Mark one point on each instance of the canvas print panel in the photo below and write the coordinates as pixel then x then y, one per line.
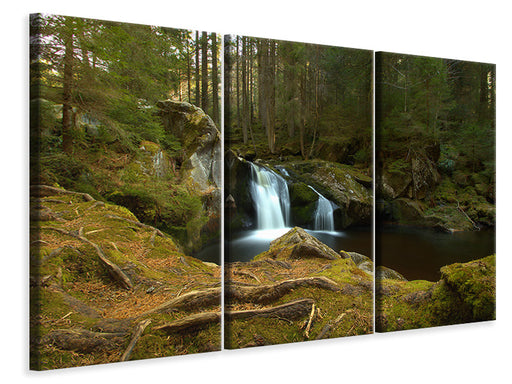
pixel 125 192
pixel 435 199
pixel 298 192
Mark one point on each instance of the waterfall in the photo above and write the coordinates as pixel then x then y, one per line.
pixel 269 192
pixel 324 218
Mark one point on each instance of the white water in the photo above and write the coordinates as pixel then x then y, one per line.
pixel 271 197
pixel 324 214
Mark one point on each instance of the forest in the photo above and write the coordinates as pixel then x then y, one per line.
pixel 94 88
pixel 120 136
pixel 296 99
pixel 435 140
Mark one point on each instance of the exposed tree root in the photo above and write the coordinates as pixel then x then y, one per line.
pixel 194 299
pixel 112 268
pixel 269 293
pixel 46 190
pixel 248 274
pixel 191 323
pixel 136 223
pixel 82 340
pixel 293 310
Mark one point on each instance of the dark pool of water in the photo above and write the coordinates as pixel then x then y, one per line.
pixel 419 253
pixel 243 246
pixel 210 253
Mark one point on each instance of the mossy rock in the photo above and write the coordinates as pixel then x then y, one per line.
pixel 302 194
pixel 475 282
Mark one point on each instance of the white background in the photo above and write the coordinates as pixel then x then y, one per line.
pixel 468 30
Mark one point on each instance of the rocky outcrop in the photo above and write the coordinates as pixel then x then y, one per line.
pixel 201 141
pixel 345 186
pixel 202 157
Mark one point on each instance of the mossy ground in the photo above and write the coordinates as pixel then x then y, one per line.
pixel 354 299
pixel 71 289
pixel 465 293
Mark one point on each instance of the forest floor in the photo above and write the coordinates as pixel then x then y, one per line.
pixel 105 287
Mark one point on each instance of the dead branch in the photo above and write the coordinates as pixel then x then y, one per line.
pixel 136 335
pixel 310 321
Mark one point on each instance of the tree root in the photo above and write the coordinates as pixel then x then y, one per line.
pixel 293 310
pixel 46 190
pixel 82 340
pixel 194 299
pixel 191 323
pixel 269 293
pixel 136 223
pixel 112 268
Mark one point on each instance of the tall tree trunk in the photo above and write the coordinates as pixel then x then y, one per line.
pixel 189 94
pixel 67 109
pixel 198 88
pixel 238 114
pixel 204 72
pixel 244 91
pixel 215 80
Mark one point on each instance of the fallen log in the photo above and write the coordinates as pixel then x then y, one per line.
pixel 194 299
pixel 136 336
pixel 294 310
pixel 191 323
pixel 269 293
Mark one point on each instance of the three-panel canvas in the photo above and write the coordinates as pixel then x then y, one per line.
pixel 192 192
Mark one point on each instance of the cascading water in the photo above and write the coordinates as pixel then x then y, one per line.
pixel 324 214
pixel 271 197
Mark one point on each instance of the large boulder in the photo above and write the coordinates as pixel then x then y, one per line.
pixel 201 141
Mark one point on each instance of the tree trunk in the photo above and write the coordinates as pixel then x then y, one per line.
pixel 198 89
pixel 215 81
pixel 67 86
pixel 204 72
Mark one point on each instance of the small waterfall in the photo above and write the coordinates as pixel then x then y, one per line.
pixel 271 197
pixel 324 214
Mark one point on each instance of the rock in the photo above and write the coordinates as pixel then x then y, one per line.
pixel 298 244
pixel 200 138
pixel 382 273
pixel 356 257
pixel 407 211
pixel 338 183
pixel 475 283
